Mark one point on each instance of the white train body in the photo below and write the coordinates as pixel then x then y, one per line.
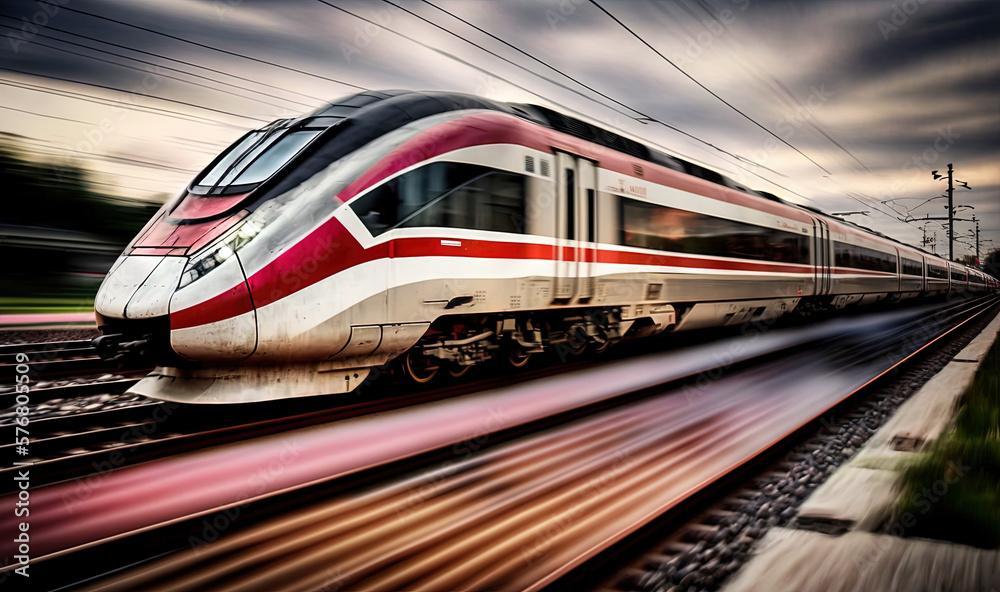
pixel 443 229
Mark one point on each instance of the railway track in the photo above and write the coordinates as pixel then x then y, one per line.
pixel 72 445
pixel 497 491
pixel 699 552
pixel 53 360
pixel 91 386
pixel 53 346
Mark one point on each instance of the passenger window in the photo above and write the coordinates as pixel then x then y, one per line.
pixel 663 228
pixel 446 194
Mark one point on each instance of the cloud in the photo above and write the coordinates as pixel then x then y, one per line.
pixel 891 91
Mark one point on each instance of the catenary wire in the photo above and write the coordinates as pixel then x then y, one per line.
pixel 206 46
pixel 175 60
pixel 106 87
pixel 159 66
pixel 705 88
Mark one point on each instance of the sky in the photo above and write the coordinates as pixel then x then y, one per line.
pixel 843 105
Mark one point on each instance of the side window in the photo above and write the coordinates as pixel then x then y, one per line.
pixel 669 229
pixel 911 267
pixel 446 194
pixel 494 201
pixel 848 255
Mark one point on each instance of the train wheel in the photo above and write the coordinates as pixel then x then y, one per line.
pixel 457 371
pixel 578 343
pixel 603 347
pixel 420 368
pixel 517 357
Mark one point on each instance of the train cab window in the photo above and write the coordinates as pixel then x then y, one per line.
pixel 212 176
pixel 857 257
pixel 663 228
pixel 252 160
pixel 446 194
pixel 271 160
pixel 933 271
pixel 911 267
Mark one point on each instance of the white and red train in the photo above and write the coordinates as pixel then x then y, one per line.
pixel 441 230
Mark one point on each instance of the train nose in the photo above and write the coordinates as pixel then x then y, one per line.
pixel 139 287
pixel 143 301
pixel 132 306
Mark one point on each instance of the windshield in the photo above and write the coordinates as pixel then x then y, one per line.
pixel 270 161
pixel 212 176
pixel 253 159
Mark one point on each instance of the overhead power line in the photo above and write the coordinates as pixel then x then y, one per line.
pixel 643 117
pixel 114 102
pixel 489 73
pixel 174 60
pixel 515 64
pixel 210 47
pixel 812 122
pixel 61 153
pixel 106 87
pixel 191 82
pixel 47 116
pixel 187 147
pixel 703 87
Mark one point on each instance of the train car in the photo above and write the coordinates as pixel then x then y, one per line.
pixel 912 273
pixel 938 278
pixel 865 267
pixel 959 278
pixel 977 281
pixel 438 231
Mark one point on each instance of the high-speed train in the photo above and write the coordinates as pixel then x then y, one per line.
pixel 439 230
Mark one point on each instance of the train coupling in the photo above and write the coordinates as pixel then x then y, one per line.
pixel 117 347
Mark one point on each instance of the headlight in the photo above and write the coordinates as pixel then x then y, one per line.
pixel 222 250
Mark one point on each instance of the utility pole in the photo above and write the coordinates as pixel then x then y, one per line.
pixel 951 215
pixel 977 239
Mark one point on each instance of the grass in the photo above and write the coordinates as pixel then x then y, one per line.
pixel 953 491
pixel 16 305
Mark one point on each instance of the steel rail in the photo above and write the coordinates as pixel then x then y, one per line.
pixel 513 525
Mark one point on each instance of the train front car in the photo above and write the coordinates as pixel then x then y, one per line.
pixel 249 286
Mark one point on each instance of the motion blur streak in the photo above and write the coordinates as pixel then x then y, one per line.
pixel 156 492
pixel 524 510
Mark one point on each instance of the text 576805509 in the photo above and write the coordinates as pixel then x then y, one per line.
pixel 22 477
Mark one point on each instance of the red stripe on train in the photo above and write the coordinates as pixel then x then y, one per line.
pixel 331 250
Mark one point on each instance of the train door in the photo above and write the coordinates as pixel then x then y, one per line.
pixel 586 228
pixel 822 258
pixel 576 204
pixel 566 198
